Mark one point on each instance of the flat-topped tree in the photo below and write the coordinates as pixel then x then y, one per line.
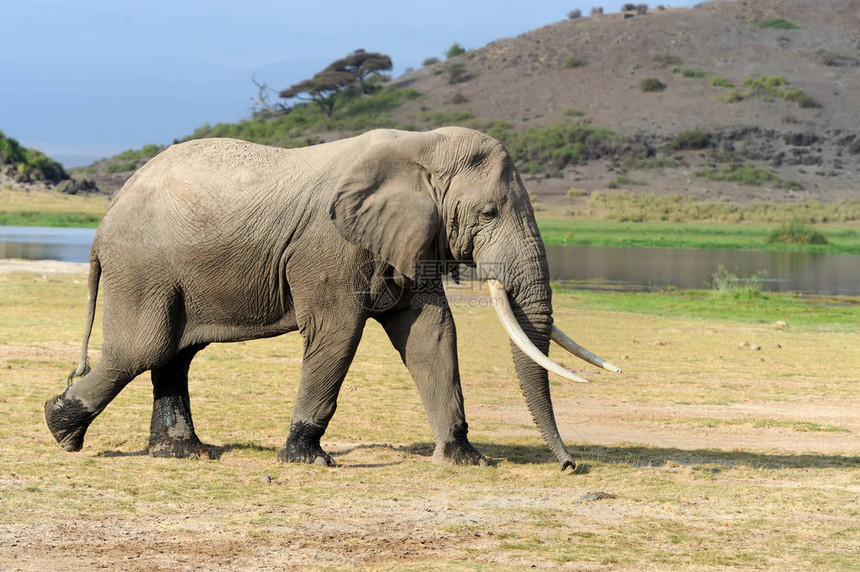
pixel 362 65
pixel 322 88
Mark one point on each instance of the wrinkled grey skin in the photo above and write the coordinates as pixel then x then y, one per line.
pixel 221 240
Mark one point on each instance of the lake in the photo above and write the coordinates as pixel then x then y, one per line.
pixel 619 268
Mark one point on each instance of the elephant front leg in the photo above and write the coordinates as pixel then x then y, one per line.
pixel 171 431
pixel 426 338
pixel 327 357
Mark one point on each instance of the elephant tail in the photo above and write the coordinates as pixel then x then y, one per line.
pixel 92 294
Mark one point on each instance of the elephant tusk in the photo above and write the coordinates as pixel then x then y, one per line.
pixel 506 315
pixel 561 339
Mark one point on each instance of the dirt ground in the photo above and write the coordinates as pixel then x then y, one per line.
pixel 394 519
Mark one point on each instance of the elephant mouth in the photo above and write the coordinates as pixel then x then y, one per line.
pixel 502 305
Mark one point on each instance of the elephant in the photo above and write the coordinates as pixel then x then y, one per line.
pixel 222 240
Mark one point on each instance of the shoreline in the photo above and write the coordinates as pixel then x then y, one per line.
pixel 8 265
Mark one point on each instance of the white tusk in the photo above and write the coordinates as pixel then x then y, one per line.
pixel 519 337
pixel 561 339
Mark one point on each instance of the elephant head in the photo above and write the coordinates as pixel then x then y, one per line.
pixel 454 195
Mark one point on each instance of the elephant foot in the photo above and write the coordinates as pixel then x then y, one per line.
pixel 459 451
pixel 171 432
pixel 303 446
pixel 68 420
pixel 179 449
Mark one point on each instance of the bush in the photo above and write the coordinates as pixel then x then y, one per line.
pixel 429 62
pixel 795 233
pixel 690 141
pixel 651 84
pixel 573 62
pixel 455 50
pixel 691 72
pixel 724 283
pixel 776 24
pixel 121 167
pixel 456 72
pixel 829 58
pixel 574 14
pixel 666 59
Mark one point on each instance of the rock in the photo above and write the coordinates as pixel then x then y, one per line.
pixel 67 187
pixel 597 496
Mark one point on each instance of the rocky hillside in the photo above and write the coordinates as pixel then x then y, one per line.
pixel 731 100
pixel 27 169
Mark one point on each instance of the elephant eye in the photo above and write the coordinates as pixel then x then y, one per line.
pixel 489 213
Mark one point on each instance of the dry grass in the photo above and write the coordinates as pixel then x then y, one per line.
pixel 708 455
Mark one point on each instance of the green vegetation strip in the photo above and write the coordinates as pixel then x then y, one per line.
pixel 834 313
pixel 715 236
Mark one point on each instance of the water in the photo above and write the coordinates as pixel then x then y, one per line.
pixel 626 268
pixel 662 268
pixel 43 243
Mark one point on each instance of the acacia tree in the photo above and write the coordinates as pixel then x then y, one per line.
pixel 340 75
pixel 322 88
pixel 362 65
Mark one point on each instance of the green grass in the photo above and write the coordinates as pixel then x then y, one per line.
pixel 845 239
pixel 795 233
pixel 18 208
pixel 747 175
pixel 820 312
pixel 777 24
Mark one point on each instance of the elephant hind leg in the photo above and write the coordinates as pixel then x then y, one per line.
pixel 171 431
pixel 69 414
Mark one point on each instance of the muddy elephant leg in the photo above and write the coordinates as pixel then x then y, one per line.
pixel 69 414
pixel 171 431
pixel 427 341
pixel 328 355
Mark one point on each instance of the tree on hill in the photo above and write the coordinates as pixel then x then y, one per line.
pixel 362 65
pixel 322 88
pixel 345 73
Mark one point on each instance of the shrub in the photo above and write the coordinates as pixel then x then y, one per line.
pixel 574 14
pixel 724 283
pixel 456 72
pixel 666 59
pixel 691 72
pixel 720 82
pixel 573 62
pixel 458 98
pixel 776 24
pixel 429 62
pixel 121 167
pixel 597 11
pixel 690 141
pixel 734 97
pixel 795 233
pixel 455 50
pixel 800 98
pixel 651 84
pixel 829 58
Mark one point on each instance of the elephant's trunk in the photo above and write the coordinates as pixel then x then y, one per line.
pixel 523 299
pixel 535 320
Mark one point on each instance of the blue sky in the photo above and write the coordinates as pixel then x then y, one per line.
pixel 86 79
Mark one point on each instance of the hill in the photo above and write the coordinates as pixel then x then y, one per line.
pixel 27 169
pixel 730 101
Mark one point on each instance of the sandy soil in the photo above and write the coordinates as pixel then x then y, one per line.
pixel 370 534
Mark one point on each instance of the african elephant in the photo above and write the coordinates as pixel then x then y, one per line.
pixel 220 240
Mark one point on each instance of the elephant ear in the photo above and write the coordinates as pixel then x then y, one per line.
pixel 384 203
